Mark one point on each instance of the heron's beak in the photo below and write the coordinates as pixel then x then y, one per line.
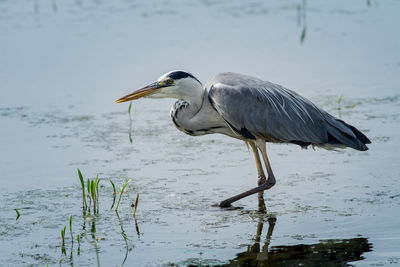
pixel 145 91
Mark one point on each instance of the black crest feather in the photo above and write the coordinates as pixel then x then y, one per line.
pixel 179 74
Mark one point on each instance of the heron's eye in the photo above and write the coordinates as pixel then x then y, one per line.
pixel 170 81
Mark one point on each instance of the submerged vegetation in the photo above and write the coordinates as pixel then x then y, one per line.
pixel 78 238
pixel 18 214
pixel 339 102
pixel 343 106
pixel 136 204
pixel 114 193
pixel 93 192
pixel 84 204
pixel 63 240
pixel 70 229
pixel 90 213
pixel 130 122
pixel 122 191
pixel 92 187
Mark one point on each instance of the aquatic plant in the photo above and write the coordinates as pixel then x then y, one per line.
pixel 92 188
pixel 63 235
pixel 124 236
pixel 93 193
pixel 339 102
pixel 303 35
pixel 122 191
pixel 114 193
pixel 130 122
pixel 97 191
pixel 18 214
pixel 84 204
pixel 63 240
pixel 136 204
pixel 70 229
pixel 136 226
pixel 78 238
pixel 129 109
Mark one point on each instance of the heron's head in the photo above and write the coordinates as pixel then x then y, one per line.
pixel 175 84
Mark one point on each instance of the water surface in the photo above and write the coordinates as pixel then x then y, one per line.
pixel 62 65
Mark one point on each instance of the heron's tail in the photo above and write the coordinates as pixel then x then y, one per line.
pixel 341 133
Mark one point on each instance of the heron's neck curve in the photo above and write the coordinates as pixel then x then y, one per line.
pixel 187 107
pixel 194 96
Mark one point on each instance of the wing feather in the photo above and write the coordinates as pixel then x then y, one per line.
pixel 270 111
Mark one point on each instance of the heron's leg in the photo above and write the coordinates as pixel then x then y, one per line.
pixel 262 254
pixel 263 150
pixel 267 185
pixel 261 178
pixel 256 247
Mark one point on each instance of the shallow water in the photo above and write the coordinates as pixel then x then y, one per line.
pixel 62 66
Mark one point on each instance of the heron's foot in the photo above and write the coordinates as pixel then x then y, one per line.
pixel 267 185
pixel 223 204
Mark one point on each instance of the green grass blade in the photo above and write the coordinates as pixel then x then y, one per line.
pixel 113 185
pixel 70 223
pixel 97 191
pixel 93 194
pixel 81 178
pixel 63 235
pixel 339 102
pixel 122 191
pixel 70 229
pixel 93 190
pixel 18 214
pixel 303 35
pixel 130 107
pixel 114 193
pixel 89 194
pixel 83 189
pixel 97 185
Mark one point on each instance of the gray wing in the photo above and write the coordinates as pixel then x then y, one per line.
pixel 256 108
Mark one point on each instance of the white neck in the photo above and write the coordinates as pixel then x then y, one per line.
pixel 187 89
pixel 189 104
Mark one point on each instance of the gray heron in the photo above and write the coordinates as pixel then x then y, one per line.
pixel 251 110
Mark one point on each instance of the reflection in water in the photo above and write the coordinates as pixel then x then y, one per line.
pixel 94 237
pixel 85 234
pixel 335 252
pixel 94 240
pixel 124 237
pixel 136 226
